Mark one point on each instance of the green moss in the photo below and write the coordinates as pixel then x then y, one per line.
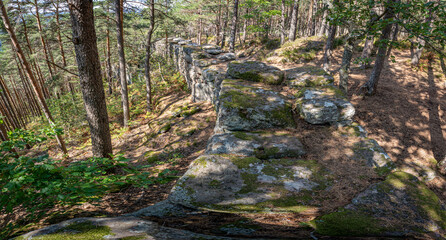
pixel 250 76
pixel 239 99
pixel 266 153
pixel 283 115
pixel 153 156
pixel 165 128
pixel 385 170
pixel 84 230
pixel 243 162
pixel 134 237
pixel 215 184
pixel 190 112
pixel 202 161
pixel 347 223
pixel 250 183
pixel 428 202
pixel 243 136
pixel 277 172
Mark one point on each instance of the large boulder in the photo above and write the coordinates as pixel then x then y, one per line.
pixel 243 106
pixel 227 57
pixel 401 206
pixel 308 77
pixel 256 72
pixel 263 145
pixel 234 183
pixel 324 105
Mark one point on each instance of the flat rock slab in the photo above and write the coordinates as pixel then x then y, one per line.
pixel 256 72
pixel 324 105
pixel 401 206
pixel 113 228
pixel 263 145
pixel 231 183
pixel 308 77
pixel 243 106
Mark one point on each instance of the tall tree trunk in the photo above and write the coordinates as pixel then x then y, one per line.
pixel 323 28
pixel 283 23
pixel 148 56
pixel 42 40
pixel 109 67
pixel 366 52
pixel 87 58
pixel 225 25
pixel 234 27
pixel 245 26
pixel 293 25
pixel 369 88
pixel 122 70
pixel 345 65
pixel 329 47
pixel 417 53
pixel 29 73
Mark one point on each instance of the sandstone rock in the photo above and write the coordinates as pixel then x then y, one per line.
pixel 227 182
pixel 308 77
pixel 401 206
pixel 324 105
pixel 263 145
pixel 244 107
pixel 227 57
pixel 256 72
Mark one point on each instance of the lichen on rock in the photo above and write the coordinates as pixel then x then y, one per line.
pixel 256 72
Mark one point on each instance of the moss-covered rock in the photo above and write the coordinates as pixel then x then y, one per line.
pixel 234 183
pixel 256 72
pixel 244 107
pixel 308 77
pixel 399 206
pixel 369 152
pixel 324 105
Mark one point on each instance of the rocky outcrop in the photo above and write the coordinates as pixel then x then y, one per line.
pixel 401 206
pixel 256 71
pixel 308 77
pixel 324 105
pixel 242 106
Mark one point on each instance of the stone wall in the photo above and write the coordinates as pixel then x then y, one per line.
pixel 203 66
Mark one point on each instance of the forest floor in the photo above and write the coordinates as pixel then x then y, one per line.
pixel 406 117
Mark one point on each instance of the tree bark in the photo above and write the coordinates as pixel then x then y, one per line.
pixel 122 69
pixel 234 27
pixel 345 65
pixel 148 56
pixel 225 25
pixel 283 23
pixel 369 88
pixel 87 58
pixel 109 67
pixel 293 25
pixel 329 47
pixel 29 73
pixel 366 52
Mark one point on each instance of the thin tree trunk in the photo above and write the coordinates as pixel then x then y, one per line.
pixel 42 40
pixel 225 25
pixel 366 52
pixel 87 58
pixel 329 47
pixel 345 65
pixel 293 26
pixel 122 70
pixel 109 67
pixel 29 73
pixel 369 88
pixel 234 27
pixel 148 56
pixel 283 23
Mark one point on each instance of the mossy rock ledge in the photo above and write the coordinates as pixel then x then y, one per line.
pixel 324 105
pixel 256 72
pixel 232 183
pixel 262 144
pixel 400 206
pixel 245 107
pixel 122 228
